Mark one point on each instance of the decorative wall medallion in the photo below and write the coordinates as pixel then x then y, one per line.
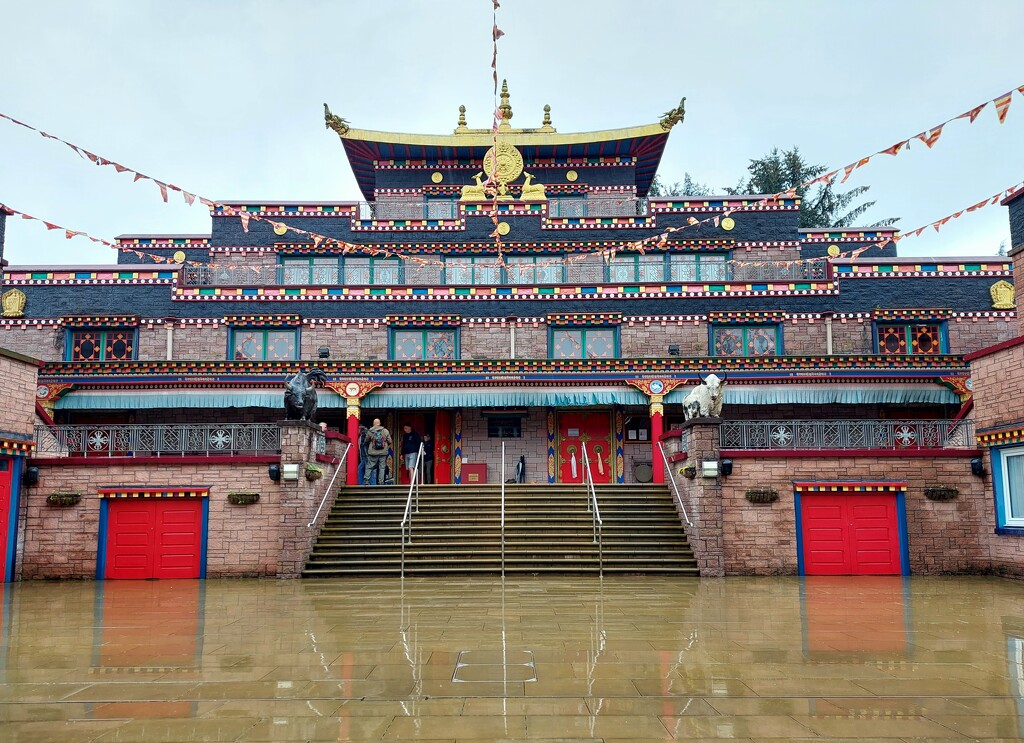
pixel 13 302
pixel 280 229
pixel 504 228
pixel 503 162
pixel 833 250
pixel 437 176
pixel 728 223
pixel 657 386
pixel 179 256
pixel 42 392
pixel 352 389
pixel 1002 296
pixel 571 176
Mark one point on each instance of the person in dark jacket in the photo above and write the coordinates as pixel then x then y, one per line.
pixel 410 448
pixel 363 443
pixel 428 459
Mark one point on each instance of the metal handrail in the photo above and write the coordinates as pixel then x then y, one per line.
pixel 675 487
pixel 502 509
pixel 414 490
pixel 588 480
pixel 341 466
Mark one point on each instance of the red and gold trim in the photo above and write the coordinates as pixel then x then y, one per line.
pixel 16 447
pixel 850 487
pixel 112 493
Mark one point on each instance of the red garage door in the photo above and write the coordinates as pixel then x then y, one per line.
pixel 154 538
pixel 850 534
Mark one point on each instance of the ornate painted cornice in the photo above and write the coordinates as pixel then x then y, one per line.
pixel 559 319
pixel 422 321
pixel 848 487
pixel 911 315
pixel 745 316
pixel 882 269
pixel 262 321
pixel 1002 437
pixel 185 492
pixel 92 321
pixel 59 277
pixel 16 447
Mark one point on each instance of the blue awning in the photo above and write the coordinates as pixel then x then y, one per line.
pixel 829 394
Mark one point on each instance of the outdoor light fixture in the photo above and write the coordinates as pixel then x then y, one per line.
pixel 709 468
pixel 726 467
pixel 673 350
pixel 31 476
pixel 289 472
pixel 274 472
pixel 978 467
pixel 323 352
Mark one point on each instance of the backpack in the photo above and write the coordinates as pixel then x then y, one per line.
pixel 377 440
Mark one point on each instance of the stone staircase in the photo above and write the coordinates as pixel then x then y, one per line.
pixel 457 531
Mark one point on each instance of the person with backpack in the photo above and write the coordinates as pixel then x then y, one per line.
pixel 377 453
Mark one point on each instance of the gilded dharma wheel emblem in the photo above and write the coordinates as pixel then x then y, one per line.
pixel 503 162
pixel 728 223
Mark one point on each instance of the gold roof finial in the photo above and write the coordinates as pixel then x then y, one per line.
pixel 505 108
pixel 546 123
pixel 462 117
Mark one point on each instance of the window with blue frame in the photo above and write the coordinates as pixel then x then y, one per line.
pixel 1008 480
pixel 472 270
pixel 583 343
pixel 746 340
pixel 424 343
pixel 535 269
pixel 101 344
pixel 352 271
pixel 698 267
pixel 264 344
pixel 897 339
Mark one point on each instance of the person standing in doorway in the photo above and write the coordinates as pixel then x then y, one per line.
pixel 363 444
pixel 377 453
pixel 428 459
pixel 410 448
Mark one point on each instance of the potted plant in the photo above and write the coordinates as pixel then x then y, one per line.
pixel 941 492
pixel 63 498
pixel 762 495
pixel 314 471
pixel 243 498
pixel 689 471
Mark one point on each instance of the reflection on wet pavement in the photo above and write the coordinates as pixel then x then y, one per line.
pixel 630 658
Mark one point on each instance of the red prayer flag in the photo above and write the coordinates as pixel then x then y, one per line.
pixel 138 176
pixel 244 216
pixel 497 33
pixel 119 168
pixel 973 113
pixel 931 136
pixel 51 226
pixel 1003 106
pixel 189 198
pixel 895 149
pixel 163 190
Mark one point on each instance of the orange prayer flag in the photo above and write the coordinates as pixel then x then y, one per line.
pixel 189 197
pixel 163 190
pixel 973 113
pixel 244 216
pixel 931 136
pixel 895 149
pixel 1003 106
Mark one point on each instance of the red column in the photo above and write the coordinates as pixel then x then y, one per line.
pixel 657 428
pixel 352 429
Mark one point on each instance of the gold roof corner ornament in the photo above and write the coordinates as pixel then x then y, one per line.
pixel 462 119
pixel 505 108
pixel 1003 296
pixel 338 124
pixel 546 123
pixel 13 303
pixel 673 116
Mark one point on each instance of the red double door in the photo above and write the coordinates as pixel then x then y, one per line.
pixel 590 429
pixel 6 519
pixel 154 538
pixel 439 426
pixel 850 534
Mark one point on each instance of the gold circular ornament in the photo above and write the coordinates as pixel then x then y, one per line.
pixel 352 389
pixel 571 176
pixel 437 176
pixel 280 229
pixel 504 228
pixel 179 256
pixel 728 223
pixel 503 162
pixel 833 250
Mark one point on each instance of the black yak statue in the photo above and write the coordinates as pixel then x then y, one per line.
pixel 300 395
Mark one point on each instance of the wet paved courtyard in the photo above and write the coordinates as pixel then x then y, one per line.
pixel 632 658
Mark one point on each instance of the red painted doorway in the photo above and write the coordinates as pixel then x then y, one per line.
pixel 443 447
pixel 593 428
pixel 154 538
pixel 850 534
pixel 6 520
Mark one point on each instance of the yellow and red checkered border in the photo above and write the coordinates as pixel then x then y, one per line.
pixel 112 493
pixel 1001 438
pixel 16 447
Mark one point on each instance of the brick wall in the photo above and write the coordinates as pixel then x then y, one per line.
pixel 652 339
pixel 943 537
pixel 205 342
pixel 18 385
pixel 369 341
pixel 487 341
pixel 804 337
pixel 974 333
pixel 152 343
pixel 998 381
pixel 43 342
pixel 851 336
pixel 477 447
pixel 531 341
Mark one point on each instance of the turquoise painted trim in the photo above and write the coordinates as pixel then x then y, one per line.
pixel 799 534
pixel 10 549
pixel 101 537
pixel 204 537
pixel 901 521
pixel 826 395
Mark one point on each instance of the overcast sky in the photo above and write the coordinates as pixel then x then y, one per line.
pixel 225 98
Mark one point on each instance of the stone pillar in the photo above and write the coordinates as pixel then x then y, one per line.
pixel 299 498
pixel 657 429
pixel 352 429
pixel 703 496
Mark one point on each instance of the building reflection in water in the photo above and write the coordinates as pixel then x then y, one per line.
pixel 1013 630
pixel 144 630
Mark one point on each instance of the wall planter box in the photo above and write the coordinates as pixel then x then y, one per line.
pixel 762 495
pixel 689 471
pixel 313 472
pixel 243 499
pixel 63 498
pixel 941 492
